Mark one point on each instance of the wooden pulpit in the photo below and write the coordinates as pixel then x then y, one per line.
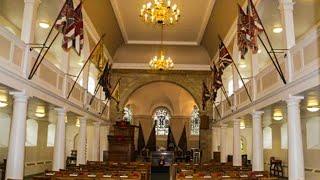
pixel 121 142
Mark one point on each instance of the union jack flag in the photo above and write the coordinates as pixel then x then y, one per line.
pixel 65 16
pixel 205 95
pixel 77 42
pixel 255 26
pixel 243 34
pixel 225 58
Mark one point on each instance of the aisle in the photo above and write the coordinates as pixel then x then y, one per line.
pixel 160 173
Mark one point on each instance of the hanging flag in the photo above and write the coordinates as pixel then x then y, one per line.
pixel 183 140
pixel 141 142
pixel 98 59
pixel 105 81
pixel 78 30
pixel 225 58
pixel 171 143
pixel 255 26
pixel 66 14
pixel 205 95
pixel 151 144
pixel 243 36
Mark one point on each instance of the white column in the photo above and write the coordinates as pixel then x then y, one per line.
pixel 16 149
pixel 59 141
pixel 223 143
pixel 215 140
pixel 96 141
pixel 236 143
pixel 295 146
pixel 286 11
pixel 81 151
pixel 30 12
pixel 257 142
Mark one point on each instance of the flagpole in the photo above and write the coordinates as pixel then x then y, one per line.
pixel 34 68
pixel 269 42
pixel 225 94
pixel 91 54
pixel 95 93
pixel 244 85
pixel 215 106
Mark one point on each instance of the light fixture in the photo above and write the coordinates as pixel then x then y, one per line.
pixel 44 25
pixel 65 119
pixel 313 108
pixel 161 61
pixel 242 64
pixel 78 123
pixel 80 63
pixel 259 51
pixel 277 115
pixel 40 112
pixel 277 29
pixel 3 101
pixel 160 12
pixel 242 125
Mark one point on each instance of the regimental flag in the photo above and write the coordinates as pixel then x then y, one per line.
pixel 217 80
pixel 141 142
pixel 183 140
pixel 116 92
pixel 98 59
pixel 205 95
pixel 243 36
pixel 65 15
pixel 78 30
pixel 105 81
pixel 255 26
pixel 171 143
pixel 225 58
pixel 151 144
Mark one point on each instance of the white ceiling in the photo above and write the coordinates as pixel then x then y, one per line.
pixel 188 31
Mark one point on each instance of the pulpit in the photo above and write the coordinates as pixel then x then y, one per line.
pixel 121 142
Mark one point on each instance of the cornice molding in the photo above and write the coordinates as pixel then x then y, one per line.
pixel 145 66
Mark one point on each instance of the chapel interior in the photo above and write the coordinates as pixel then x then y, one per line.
pixel 159 89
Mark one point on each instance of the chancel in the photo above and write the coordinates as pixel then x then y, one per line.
pixel 159 89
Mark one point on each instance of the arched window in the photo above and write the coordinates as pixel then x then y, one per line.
pixel 51 134
pixel 4 129
pixel 195 121
pixel 32 133
pixel 162 117
pixel 267 138
pixel 127 111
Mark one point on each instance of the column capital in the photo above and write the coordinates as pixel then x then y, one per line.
pixel 257 114
pixel 237 120
pixel 32 1
pixel 294 100
pixel 82 120
pixel 223 125
pixel 97 123
pixel 286 5
pixel 60 111
pixel 20 96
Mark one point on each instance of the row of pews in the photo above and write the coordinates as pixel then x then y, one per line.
pixel 213 170
pixel 101 171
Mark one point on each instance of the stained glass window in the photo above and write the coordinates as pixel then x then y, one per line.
pixel 127 114
pixel 195 121
pixel 162 117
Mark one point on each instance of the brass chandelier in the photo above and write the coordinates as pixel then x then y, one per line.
pixel 160 12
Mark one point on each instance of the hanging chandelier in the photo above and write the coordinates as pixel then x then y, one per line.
pixel 160 12
pixel 161 61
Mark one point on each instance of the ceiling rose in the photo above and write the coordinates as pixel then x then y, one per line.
pixel 160 12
